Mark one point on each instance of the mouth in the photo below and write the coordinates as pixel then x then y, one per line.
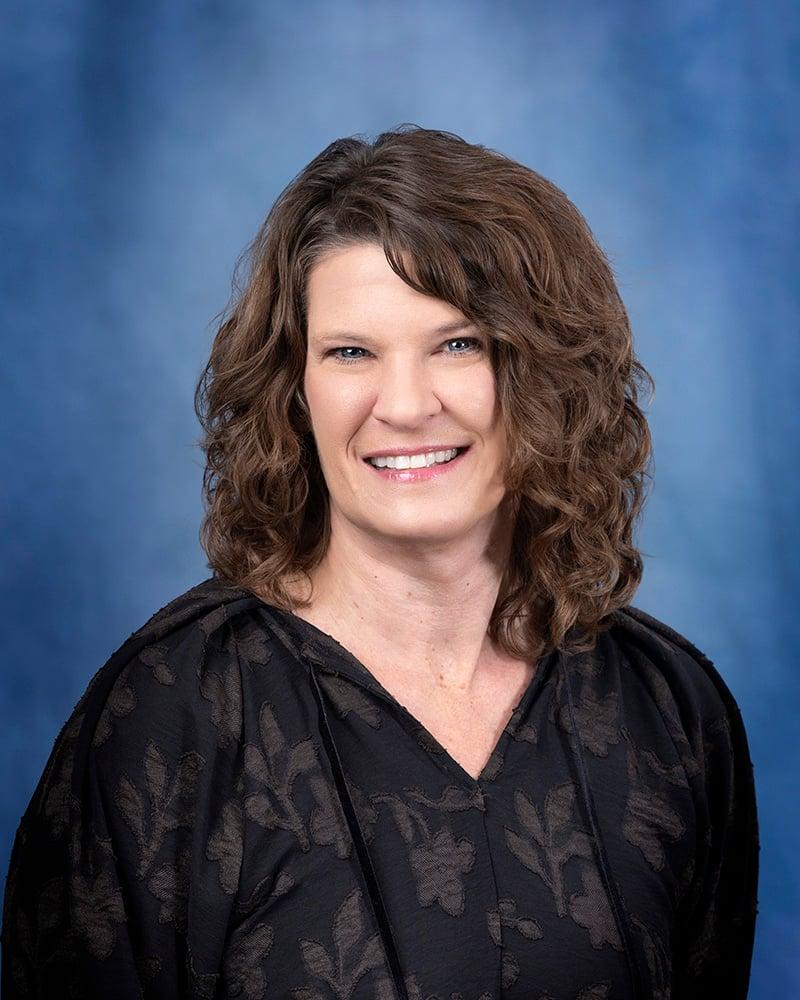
pixel 424 472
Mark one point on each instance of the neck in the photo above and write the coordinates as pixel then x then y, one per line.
pixel 423 613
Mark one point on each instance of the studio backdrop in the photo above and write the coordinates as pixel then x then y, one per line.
pixel 143 145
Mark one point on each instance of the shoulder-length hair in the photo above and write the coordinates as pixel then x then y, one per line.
pixel 505 246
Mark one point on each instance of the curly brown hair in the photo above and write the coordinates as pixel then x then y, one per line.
pixel 503 244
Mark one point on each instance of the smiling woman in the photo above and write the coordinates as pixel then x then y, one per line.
pixel 408 395
pixel 410 739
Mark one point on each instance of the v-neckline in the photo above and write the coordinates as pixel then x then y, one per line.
pixel 350 666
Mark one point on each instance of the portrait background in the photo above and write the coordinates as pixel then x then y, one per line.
pixel 144 145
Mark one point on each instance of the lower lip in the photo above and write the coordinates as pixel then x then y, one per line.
pixel 416 475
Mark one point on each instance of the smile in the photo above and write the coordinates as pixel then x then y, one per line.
pixel 419 461
pixel 413 468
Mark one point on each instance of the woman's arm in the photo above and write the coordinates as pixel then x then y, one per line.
pixel 123 877
pixel 715 925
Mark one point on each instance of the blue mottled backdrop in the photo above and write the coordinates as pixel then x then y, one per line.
pixel 142 145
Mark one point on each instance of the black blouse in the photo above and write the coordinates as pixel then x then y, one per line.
pixel 237 808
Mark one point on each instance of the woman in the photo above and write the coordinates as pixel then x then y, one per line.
pixel 410 739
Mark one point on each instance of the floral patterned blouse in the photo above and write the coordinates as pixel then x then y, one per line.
pixel 237 808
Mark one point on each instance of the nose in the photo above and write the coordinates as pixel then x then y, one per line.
pixel 405 394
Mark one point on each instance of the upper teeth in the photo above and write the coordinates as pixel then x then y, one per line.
pixel 414 461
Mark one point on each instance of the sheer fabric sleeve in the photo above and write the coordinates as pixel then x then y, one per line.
pixel 715 925
pixel 125 866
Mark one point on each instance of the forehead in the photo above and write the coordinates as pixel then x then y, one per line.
pixel 354 291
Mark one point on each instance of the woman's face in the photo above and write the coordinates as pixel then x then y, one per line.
pixel 382 376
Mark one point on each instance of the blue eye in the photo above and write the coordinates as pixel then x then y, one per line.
pixel 476 344
pixel 473 341
pixel 345 361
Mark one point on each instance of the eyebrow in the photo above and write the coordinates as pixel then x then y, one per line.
pixel 356 338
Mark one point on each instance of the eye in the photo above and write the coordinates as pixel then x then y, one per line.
pixel 344 361
pixel 474 343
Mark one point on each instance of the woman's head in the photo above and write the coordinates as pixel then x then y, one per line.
pixel 389 371
pixel 432 230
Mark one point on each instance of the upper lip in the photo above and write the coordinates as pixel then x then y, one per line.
pixel 419 450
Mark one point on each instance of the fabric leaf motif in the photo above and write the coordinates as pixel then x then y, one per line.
pixel 97 903
pixel 98 906
pixel 592 911
pixel 171 802
pixel 252 643
pixel 505 915
pixel 347 697
pixel 547 846
pixel 225 695
pixel 343 968
pixel 649 819
pixel 454 798
pixel 658 955
pixel 131 804
pixel 598 991
pixel 155 657
pixel 242 964
pixel 170 885
pixel 273 807
pixel 348 925
pixel 226 845
pixel 438 866
pixel 120 702
pixel 596 719
pixel 327 822
pixel 213 620
pixel 317 961
pixel 155 769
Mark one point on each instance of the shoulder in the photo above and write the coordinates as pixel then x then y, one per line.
pixel 666 681
pixel 184 654
pixel 672 662
pixel 174 684
pixel 718 898
pixel 135 826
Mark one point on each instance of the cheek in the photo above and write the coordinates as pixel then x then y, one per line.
pixel 336 408
pixel 477 402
